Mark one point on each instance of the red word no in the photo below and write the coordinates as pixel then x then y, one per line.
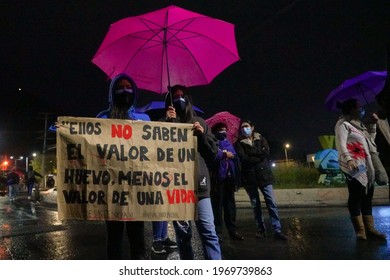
pixel 121 131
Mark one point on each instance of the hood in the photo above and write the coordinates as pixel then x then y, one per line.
pixel 112 87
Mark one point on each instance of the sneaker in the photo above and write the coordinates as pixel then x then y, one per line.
pixel 168 243
pixel 260 234
pixel 280 235
pixel 158 247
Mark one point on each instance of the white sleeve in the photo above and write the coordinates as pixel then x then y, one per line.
pixel 341 141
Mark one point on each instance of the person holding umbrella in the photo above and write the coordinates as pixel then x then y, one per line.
pixel 123 94
pixel 180 110
pixel 353 143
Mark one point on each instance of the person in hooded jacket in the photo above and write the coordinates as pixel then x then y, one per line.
pixel 123 95
pixel 253 151
pixel 225 179
pixel 180 110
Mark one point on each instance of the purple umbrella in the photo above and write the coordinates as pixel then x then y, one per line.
pixel 364 88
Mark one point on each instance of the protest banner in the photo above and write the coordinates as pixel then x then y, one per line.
pixel 110 169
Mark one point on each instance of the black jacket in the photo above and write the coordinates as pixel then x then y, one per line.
pixel 207 151
pixel 12 178
pixel 255 165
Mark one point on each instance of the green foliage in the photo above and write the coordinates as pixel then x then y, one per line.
pixel 50 164
pixel 297 177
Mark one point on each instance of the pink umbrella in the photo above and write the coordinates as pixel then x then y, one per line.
pixel 232 124
pixel 168 46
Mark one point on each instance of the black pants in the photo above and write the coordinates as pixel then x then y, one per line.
pixel 224 205
pixel 135 234
pixel 359 199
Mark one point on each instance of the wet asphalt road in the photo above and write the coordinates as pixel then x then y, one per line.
pixel 33 232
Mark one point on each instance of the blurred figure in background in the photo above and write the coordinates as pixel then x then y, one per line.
pixel 31 181
pixel 13 185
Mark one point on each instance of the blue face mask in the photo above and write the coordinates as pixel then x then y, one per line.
pixel 179 104
pixel 362 112
pixel 246 131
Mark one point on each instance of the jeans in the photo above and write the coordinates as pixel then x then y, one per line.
pixel 30 186
pixel 269 197
pixel 12 191
pixel 160 230
pixel 224 206
pixel 206 230
pixel 135 234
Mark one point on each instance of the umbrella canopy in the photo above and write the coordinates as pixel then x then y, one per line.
pixel 167 47
pixel 364 88
pixel 232 124
pixel 156 110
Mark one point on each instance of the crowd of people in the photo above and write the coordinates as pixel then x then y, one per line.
pixel 221 171
pixel 16 180
pixel 223 167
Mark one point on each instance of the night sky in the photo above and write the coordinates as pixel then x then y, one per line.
pixel 293 53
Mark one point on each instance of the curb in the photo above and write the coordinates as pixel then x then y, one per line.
pixel 316 197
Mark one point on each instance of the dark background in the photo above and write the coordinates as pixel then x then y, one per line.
pixel 293 53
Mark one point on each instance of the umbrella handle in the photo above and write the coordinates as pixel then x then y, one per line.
pixel 365 98
pixel 165 46
pixel 169 95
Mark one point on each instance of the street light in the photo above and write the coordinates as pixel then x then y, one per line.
pixel 28 160
pixel 285 151
pixel 4 165
pixel 20 158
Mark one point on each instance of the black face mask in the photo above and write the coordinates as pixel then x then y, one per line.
pixel 179 104
pixel 123 98
pixel 221 135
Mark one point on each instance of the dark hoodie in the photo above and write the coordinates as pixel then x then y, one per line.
pixel 132 115
pixel 207 143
